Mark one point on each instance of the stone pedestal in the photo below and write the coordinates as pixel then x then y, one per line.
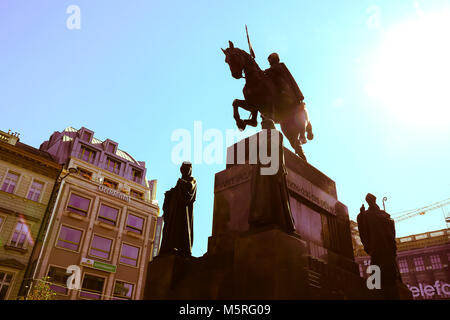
pixel 163 273
pixel 314 261
pixel 270 265
pixel 319 218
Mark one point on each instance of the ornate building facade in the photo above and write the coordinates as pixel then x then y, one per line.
pixel 103 224
pixel 27 180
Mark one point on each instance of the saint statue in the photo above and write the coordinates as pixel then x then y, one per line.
pixel 377 232
pixel 270 196
pixel 178 232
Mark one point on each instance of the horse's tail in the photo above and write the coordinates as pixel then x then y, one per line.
pixel 309 133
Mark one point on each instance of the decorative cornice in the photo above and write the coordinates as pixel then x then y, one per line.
pixel 29 161
pixel 18 214
pixel 12 263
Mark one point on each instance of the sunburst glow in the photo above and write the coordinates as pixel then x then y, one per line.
pixel 411 73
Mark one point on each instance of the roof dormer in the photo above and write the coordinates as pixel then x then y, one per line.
pixel 86 135
pixel 110 146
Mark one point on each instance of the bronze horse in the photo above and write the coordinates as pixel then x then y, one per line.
pixel 261 95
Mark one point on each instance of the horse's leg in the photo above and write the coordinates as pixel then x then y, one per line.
pixel 291 132
pixel 246 106
pixel 253 120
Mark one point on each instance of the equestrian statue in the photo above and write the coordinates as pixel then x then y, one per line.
pixel 273 93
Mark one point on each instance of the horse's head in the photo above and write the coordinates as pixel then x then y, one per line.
pixel 236 60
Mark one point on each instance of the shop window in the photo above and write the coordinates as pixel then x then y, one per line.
pixel 78 204
pixel 108 215
pixel 5 283
pixel 129 255
pixel 58 279
pixel 101 247
pixel 135 224
pixel 123 290
pixel 10 182
pixel 69 238
pixel 92 287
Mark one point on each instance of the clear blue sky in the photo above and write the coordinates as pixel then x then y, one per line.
pixel 375 81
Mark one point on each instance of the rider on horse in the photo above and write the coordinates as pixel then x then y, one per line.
pixel 273 93
pixel 288 90
pixel 288 94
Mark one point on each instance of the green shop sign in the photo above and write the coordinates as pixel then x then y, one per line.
pixel 98 265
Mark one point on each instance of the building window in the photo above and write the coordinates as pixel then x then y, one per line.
pixel 58 279
pixel 129 255
pixel 108 215
pixel 20 235
pixel 2 219
pixel 123 290
pixel 86 137
pixel 136 194
pixel 113 165
pixel 85 174
pixel 111 148
pixel 9 185
pixel 69 238
pixel 101 247
pixel 5 283
pixel 436 261
pixel 110 184
pixel 92 287
pixel 135 224
pixel 137 175
pixel 403 266
pixel 35 191
pixel 418 262
pixel 78 205
pixel 87 154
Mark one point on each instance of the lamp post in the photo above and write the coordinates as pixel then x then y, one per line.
pixel 384 200
pixel 71 170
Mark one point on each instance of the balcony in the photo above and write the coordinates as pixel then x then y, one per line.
pixel 9 137
pixel 137 179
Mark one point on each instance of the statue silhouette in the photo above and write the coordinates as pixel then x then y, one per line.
pixel 178 232
pixel 273 93
pixel 377 232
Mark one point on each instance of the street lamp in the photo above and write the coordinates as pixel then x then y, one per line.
pixel 71 170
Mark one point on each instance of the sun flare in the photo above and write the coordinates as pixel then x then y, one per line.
pixel 411 72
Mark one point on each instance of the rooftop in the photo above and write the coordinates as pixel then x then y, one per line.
pixel 13 139
pixel 120 153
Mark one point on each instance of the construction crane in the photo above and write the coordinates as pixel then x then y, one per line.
pixel 404 215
